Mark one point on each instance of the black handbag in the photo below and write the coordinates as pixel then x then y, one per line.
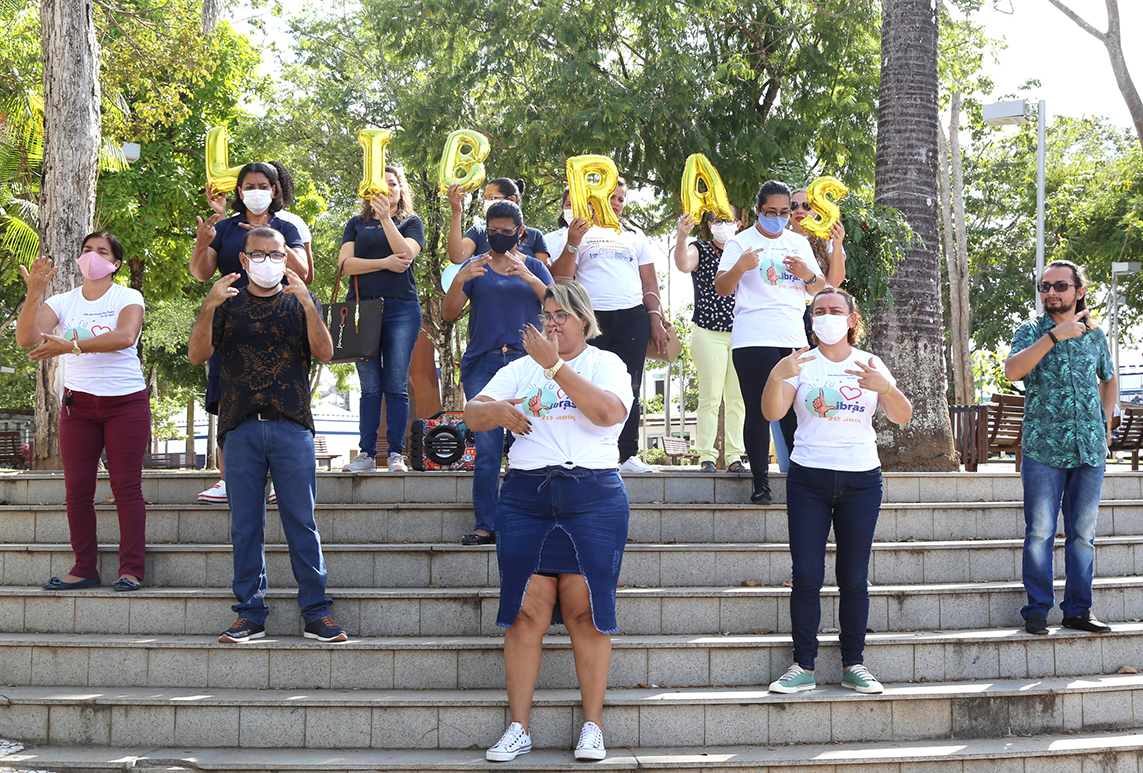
pixel 354 326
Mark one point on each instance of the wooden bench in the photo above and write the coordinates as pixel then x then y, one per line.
pixel 1130 434
pixel 178 460
pixel 676 448
pixel 1006 425
pixel 322 454
pixel 12 450
pixel 970 434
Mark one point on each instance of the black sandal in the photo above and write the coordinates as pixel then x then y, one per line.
pixel 479 539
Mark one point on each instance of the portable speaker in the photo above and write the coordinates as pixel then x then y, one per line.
pixel 443 442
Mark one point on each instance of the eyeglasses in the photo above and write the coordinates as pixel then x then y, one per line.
pixel 502 231
pixel 1060 287
pixel 559 318
pixel 804 205
pixel 772 213
pixel 260 257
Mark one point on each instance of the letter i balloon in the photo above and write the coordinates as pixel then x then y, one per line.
pixel 220 177
pixel 462 162
pixel 818 196
pixel 373 143
pixel 713 199
pixel 592 200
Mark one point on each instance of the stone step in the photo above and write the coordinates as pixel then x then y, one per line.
pixel 472 611
pixel 476 662
pixel 1098 752
pixel 670 485
pixel 650 523
pixel 644 565
pixel 473 719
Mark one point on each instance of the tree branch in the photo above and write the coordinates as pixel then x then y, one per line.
pixel 1101 37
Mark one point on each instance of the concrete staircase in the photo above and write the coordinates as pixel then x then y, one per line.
pixel 102 681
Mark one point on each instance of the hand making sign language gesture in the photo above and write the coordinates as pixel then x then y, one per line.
pixel 870 378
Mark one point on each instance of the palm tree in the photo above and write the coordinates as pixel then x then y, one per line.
pixel 908 331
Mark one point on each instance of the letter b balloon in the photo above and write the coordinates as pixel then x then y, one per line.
pixel 465 150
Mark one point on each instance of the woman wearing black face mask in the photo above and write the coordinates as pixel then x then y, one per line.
pixel 505 290
pixel 474 241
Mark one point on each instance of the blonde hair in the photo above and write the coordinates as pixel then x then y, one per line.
pixel 570 296
pixel 404 203
pixel 855 333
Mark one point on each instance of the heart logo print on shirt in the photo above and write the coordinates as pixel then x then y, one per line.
pixel 99 330
pixel 850 393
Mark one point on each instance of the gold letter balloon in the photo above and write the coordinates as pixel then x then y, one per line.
pixel 220 178
pixel 374 142
pixel 713 199
pixel 462 162
pixel 592 201
pixel 826 213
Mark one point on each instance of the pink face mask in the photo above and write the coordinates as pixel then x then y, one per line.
pixel 94 266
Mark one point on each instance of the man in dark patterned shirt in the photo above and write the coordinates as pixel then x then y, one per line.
pixel 1071 388
pixel 265 334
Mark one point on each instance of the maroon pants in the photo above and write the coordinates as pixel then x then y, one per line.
pixel 122 425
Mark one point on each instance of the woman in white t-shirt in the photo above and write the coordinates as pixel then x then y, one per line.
pixel 561 519
pixel 769 271
pixel 834 480
pixel 94 331
pixel 618 272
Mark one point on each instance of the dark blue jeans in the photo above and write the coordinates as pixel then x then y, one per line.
pixel 387 377
pixel 850 502
pixel 285 449
pixel 490 443
pixel 1046 488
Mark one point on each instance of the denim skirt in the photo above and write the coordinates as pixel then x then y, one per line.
pixel 561 521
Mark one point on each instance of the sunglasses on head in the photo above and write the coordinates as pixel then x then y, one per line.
pixel 1060 287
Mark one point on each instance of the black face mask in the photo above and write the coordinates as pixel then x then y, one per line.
pixel 502 244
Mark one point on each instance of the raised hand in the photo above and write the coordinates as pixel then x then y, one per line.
pixel 40 277
pixel 577 229
pixel 221 290
pixel 1073 327
pixel 518 267
pixel 748 260
pixel 52 346
pixel 381 208
pixel 837 232
pixel 456 197
pixel 791 365
pixel 869 378
pixel 798 268
pixel 686 224
pixel 206 230
pixel 472 269
pixel 217 202
pixel 298 289
pixel 543 349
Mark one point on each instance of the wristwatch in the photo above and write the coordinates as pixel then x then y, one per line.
pixel 75 347
pixel 550 373
pixel 572 248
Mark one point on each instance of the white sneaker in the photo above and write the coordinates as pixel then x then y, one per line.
pixel 590 745
pixel 513 743
pixel 361 463
pixel 396 463
pixel 635 464
pixel 214 494
pixel 273 497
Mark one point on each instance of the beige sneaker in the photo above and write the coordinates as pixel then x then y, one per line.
pixel 396 463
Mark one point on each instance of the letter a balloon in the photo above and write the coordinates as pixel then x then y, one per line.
pixel 373 142
pixel 592 201
pixel 462 162
pixel 220 177
pixel 713 199
pixel 826 212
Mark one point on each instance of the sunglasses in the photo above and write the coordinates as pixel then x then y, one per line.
pixel 1060 287
pixel 804 205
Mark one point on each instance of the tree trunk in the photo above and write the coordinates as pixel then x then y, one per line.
pixel 962 324
pixel 906 331
pixel 949 248
pixel 67 190
pixel 190 449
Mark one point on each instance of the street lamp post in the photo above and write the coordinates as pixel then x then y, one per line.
pixel 1015 112
pixel 1118 270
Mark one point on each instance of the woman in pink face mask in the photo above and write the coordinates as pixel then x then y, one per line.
pixel 94 331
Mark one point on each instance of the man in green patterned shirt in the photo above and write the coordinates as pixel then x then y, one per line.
pixel 1071 387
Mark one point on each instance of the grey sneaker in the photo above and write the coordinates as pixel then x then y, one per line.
pixel 513 743
pixel 858 678
pixel 797 679
pixel 361 463
pixel 396 463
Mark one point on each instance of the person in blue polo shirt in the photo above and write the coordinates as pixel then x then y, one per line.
pixel 475 239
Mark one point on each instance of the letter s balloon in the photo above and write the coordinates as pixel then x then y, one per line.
pixel 713 199
pixel 465 150
pixel 373 142
pixel 826 212
pixel 220 177
pixel 592 201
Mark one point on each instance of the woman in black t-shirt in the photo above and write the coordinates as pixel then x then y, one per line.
pixel 378 248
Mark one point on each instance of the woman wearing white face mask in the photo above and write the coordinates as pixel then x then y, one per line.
pixel 834 480
pixel 475 239
pixel 257 200
pixel 710 339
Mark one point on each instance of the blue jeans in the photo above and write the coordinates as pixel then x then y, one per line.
pixel 286 450
pixel 490 443
pixel 388 377
pixel 851 502
pixel 1045 490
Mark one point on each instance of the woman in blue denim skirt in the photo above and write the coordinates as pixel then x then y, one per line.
pixel 834 479
pixel 503 289
pixel 561 520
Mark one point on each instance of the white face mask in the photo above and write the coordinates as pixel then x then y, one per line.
pixel 831 328
pixel 489 202
pixel 723 232
pixel 257 201
pixel 266 274
pixel 568 216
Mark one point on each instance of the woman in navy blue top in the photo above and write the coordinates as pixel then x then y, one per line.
pixel 378 248
pixel 504 289
pixel 475 239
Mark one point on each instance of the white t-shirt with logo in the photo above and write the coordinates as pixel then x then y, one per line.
pixel 303 229
pixel 607 265
pixel 770 301
pixel 835 415
pixel 106 374
pixel 561 434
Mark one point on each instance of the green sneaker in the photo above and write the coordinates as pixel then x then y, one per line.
pixel 858 678
pixel 797 679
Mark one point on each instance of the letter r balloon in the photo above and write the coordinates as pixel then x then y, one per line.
pixel 462 162
pixel 220 177
pixel 373 143
pixel 593 198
